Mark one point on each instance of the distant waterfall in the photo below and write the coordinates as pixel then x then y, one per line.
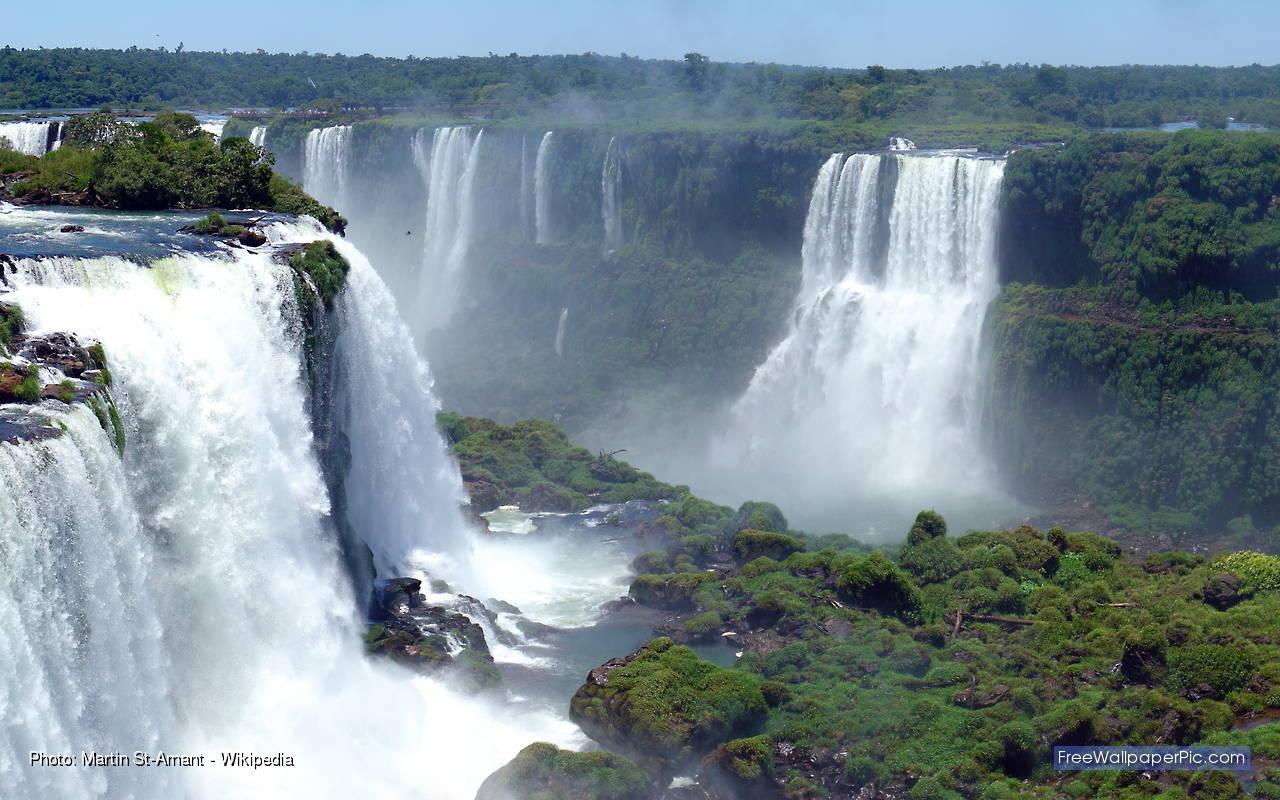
pixel 215 127
pixel 876 386
pixel 258 136
pixel 326 156
pixel 610 187
pixel 526 188
pixel 542 191
pixel 560 328
pixel 189 597
pixel 32 138
pixel 447 158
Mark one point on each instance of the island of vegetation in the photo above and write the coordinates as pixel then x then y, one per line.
pixel 168 162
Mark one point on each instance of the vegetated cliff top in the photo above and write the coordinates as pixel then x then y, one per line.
pixel 167 163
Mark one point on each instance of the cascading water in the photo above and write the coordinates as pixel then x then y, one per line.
pixel 526 187
pixel 560 329
pixel 447 158
pixel 215 127
pixel 610 188
pixel 874 392
pixel 542 191
pixel 31 138
pixel 325 158
pixel 190 598
pixel 258 136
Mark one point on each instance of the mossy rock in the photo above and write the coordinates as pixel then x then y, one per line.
pixel 875 582
pixel 664 701
pixel 326 268
pixel 760 517
pixel 543 771
pixel 674 592
pixel 19 384
pixel 749 545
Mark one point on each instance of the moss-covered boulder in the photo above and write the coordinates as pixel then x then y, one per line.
pixel 760 516
pixel 663 701
pixel 876 582
pixel 321 269
pixel 748 545
pixel 543 771
pixel 674 592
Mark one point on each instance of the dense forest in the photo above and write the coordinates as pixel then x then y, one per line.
pixel 595 86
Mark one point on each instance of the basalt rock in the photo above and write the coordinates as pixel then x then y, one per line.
pixel 1222 591
pixel 545 771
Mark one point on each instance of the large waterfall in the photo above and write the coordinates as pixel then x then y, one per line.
pixel 258 136
pixel 542 190
pixel 447 158
pixel 610 188
pixel 875 390
pixel 32 138
pixel 326 157
pixel 189 597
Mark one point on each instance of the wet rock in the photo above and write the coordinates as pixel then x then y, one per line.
pixel 18 426
pixel 545 771
pixel 251 238
pixel 429 638
pixel 1222 591
pixel 71 229
pixel 61 351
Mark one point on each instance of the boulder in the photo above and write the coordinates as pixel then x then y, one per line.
pixel 1222 591
pixel 546 772
pixel 429 638
pixel 71 229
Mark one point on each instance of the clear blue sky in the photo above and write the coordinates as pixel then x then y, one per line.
pixel 923 33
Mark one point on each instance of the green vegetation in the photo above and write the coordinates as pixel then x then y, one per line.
pixel 19 384
pixel 1135 359
pixel 10 324
pixel 946 682
pixel 502 86
pixel 168 162
pixel 321 269
pixel 532 464
pixel 543 771
pixel 664 700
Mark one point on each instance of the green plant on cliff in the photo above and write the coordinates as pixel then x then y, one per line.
pixel 325 270
pixel 543 771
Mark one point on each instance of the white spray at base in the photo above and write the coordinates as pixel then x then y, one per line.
pixel 875 390
pixel 258 136
pixel 191 598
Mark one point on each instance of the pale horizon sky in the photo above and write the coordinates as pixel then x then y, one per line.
pixel 852 33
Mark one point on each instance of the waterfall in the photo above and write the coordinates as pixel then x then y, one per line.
pixel 190 598
pixel 610 186
pixel 447 159
pixel 526 188
pixel 215 127
pixel 560 327
pixel 31 138
pixel 325 159
pixel 542 191
pixel 258 135
pixel 875 388
pixel 899 144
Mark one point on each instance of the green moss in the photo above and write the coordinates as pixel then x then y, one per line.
pixel 752 544
pixel 1224 669
pixel 1258 572
pixel 10 323
pixel 675 591
pixel 875 582
pixel 666 700
pixel 760 516
pixel 543 771
pixel 324 268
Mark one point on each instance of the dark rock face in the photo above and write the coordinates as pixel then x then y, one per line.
pixel 71 229
pixel 251 238
pixel 428 637
pixel 58 350
pixel 1222 591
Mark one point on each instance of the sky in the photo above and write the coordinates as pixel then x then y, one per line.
pixel 853 33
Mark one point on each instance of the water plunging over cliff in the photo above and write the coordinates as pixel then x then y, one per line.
pixel 326 156
pixel 875 388
pixel 610 188
pixel 258 135
pixel 542 190
pixel 190 598
pixel 447 158
pixel 32 138
pixel 561 326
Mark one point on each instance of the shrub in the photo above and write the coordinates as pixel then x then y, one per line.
pixel 928 525
pixel 760 517
pixel 1224 669
pixel 325 266
pixel 932 560
pixel 1257 572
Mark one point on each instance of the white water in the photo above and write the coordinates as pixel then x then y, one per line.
pixel 560 329
pixel 447 158
pixel 258 135
pixel 191 599
pixel 31 138
pixel 542 191
pixel 215 127
pixel 610 189
pixel 326 157
pixel 526 187
pixel 899 144
pixel 874 392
